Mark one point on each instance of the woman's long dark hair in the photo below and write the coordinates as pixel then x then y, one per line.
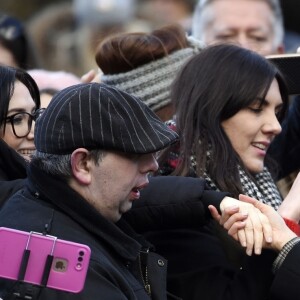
pixel 212 87
pixel 8 78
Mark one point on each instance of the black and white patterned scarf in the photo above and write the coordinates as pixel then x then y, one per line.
pixel 264 189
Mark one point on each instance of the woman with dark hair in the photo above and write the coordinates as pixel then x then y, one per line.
pixel 236 100
pixel 19 108
pixel 229 102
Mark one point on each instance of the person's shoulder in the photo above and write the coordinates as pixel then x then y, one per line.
pixel 9 188
pixel 24 212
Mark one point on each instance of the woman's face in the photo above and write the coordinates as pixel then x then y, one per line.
pixel 252 129
pixel 21 101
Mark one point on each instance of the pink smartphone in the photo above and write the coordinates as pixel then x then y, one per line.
pixel 67 267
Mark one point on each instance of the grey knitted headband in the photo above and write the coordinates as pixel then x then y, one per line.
pixel 152 81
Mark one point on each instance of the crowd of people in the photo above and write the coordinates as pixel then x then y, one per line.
pixel 164 159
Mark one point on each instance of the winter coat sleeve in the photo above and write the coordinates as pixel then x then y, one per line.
pixel 287 277
pixel 172 202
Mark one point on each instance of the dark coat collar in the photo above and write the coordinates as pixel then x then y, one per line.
pixel 120 236
pixel 12 165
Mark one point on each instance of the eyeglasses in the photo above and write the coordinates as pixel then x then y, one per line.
pixel 22 122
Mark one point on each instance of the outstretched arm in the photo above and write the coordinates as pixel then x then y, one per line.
pixel 173 202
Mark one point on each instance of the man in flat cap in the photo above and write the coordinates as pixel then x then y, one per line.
pixel 95 147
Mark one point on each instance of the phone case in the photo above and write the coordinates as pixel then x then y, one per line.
pixel 289 65
pixel 68 264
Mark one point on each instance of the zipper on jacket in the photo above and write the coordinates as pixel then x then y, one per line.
pixel 143 264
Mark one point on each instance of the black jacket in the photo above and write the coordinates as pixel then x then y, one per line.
pixel 49 205
pixel 286 282
pixel 198 266
pixel 12 172
pixel 173 202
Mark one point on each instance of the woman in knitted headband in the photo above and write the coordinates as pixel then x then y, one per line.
pixel 145 64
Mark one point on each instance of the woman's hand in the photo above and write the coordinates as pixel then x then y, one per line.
pixel 91 76
pixel 245 223
pixel 280 231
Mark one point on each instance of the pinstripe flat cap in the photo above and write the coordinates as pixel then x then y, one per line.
pixel 98 116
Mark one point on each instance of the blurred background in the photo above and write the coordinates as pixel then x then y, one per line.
pixel 64 33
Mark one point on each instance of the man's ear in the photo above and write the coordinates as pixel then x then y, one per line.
pixel 81 164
